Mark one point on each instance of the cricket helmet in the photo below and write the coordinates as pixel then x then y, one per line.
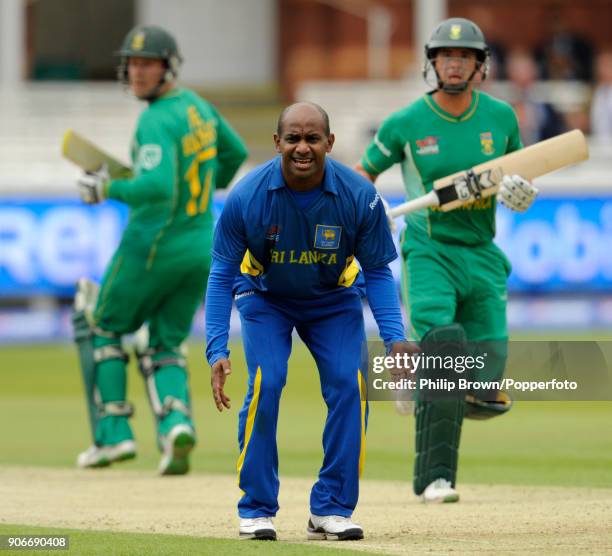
pixel 150 41
pixel 457 32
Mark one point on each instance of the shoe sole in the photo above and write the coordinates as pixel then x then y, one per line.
pixel 124 457
pixel 260 535
pixel 106 462
pixel 179 461
pixel 449 499
pixel 98 465
pixel 321 535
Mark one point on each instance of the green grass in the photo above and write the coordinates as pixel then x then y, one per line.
pixel 43 423
pixel 134 544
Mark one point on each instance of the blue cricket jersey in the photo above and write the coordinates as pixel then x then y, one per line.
pixel 291 252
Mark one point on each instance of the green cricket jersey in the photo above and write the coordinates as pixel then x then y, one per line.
pixel 430 143
pixel 182 150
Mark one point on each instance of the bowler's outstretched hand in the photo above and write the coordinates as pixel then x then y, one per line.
pixel 218 375
pixel 404 351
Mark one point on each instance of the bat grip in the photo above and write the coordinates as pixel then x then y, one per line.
pixel 429 200
pixel 473 184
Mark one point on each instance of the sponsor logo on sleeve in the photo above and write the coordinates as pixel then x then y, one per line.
pixel 244 294
pixel 149 156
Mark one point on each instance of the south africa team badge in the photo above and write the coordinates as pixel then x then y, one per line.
pixel 486 142
pixel 327 237
pixel 455 32
pixel 138 41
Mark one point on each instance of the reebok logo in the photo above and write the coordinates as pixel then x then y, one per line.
pixel 243 294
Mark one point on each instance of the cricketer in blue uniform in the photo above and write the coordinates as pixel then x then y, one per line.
pixel 287 246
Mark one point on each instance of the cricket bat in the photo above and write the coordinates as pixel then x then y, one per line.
pixel 90 157
pixel 483 180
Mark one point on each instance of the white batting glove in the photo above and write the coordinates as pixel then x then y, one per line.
pixel 516 193
pixel 390 220
pixel 91 185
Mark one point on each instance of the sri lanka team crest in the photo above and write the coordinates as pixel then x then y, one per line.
pixel 429 145
pixel 327 237
pixel 486 141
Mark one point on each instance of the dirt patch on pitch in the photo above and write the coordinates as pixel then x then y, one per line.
pixel 500 519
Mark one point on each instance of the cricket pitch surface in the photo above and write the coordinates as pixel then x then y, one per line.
pixel 490 519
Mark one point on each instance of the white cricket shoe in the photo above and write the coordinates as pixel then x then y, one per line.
pixel 177 446
pixel 333 528
pixel 438 492
pixel 258 529
pixel 103 456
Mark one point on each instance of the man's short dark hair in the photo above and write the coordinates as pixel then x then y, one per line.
pixel 324 115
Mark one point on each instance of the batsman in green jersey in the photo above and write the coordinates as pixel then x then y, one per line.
pixel 182 150
pixel 454 276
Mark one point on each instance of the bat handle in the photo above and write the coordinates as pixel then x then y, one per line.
pixel 428 200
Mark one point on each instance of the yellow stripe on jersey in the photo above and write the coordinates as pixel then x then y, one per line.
pixel 350 272
pixel 206 193
pixel 367 165
pixel 363 400
pixel 103 295
pixel 250 421
pixel 207 154
pixel 250 265
pixel 471 112
pixel 463 118
pixel 195 186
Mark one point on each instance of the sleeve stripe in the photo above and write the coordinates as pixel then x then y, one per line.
pixel 381 147
pixel 365 161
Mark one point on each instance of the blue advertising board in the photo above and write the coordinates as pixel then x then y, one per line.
pixel 47 244
pixel 561 244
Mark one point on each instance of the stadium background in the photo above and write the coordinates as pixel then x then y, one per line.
pixel 359 59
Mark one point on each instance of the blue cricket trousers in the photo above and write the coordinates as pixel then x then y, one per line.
pixel 332 328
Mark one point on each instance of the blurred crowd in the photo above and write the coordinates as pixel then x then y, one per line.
pixel 562 83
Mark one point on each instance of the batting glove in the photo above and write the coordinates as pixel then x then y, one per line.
pixel 390 220
pixel 92 185
pixel 516 193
